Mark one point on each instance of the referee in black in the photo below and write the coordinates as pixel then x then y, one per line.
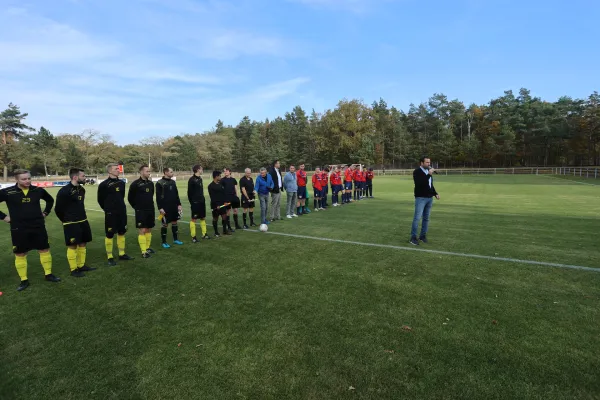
pixel 111 198
pixel 248 198
pixel 70 210
pixel 424 193
pixel 141 199
pixel 27 224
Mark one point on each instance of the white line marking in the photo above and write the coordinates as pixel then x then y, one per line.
pixel 569 180
pixel 418 249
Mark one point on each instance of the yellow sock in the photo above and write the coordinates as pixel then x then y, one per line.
pixel 81 253
pixel 108 243
pixel 46 260
pixel 148 239
pixel 121 244
pixel 203 227
pixel 72 258
pixel 193 228
pixel 142 242
pixel 21 265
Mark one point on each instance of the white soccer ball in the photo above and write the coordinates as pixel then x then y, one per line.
pixel 263 227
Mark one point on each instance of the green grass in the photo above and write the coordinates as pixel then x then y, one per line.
pixel 263 316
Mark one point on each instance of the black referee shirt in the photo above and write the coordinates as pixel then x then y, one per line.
pixel 229 185
pixel 247 183
pixel 216 191
pixel 195 190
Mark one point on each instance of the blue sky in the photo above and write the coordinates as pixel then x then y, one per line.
pixel 141 68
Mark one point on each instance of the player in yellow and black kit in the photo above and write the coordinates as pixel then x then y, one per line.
pixel 169 205
pixel 70 210
pixel 27 226
pixel 111 197
pixel 197 201
pixel 141 198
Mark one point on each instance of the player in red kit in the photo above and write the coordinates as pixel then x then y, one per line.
pixel 336 186
pixel 369 189
pixel 301 179
pixel 347 196
pixel 325 185
pixel 318 189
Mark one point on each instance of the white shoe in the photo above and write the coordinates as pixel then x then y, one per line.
pixel 321 208
pixel 316 209
pixel 288 216
pixel 294 216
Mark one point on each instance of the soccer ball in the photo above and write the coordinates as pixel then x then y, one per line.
pixel 263 227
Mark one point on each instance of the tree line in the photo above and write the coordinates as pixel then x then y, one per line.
pixel 509 131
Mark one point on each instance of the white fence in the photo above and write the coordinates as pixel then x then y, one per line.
pixel 583 172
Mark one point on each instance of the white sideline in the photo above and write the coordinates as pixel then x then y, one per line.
pixel 569 180
pixel 420 249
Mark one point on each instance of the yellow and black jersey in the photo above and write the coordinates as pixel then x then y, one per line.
pixel 24 206
pixel 111 195
pixel 70 204
pixel 141 194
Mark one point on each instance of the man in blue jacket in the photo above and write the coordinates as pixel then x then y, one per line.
pixel 263 186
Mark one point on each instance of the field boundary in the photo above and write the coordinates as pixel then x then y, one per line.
pixel 422 250
pixel 569 180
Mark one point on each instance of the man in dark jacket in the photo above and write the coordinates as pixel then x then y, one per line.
pixel 275 207
pixel 424 193
pixel 169 206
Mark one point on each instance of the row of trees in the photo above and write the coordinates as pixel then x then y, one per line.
pixel 508 131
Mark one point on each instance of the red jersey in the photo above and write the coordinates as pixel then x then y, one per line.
pixel 363 176
pixel 336 178
pixel 324 179
pixel 316 182
pixel 348 175
pixel 357 176
pixel 301 177
pixel 370 175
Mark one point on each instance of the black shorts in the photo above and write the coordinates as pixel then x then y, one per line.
pixel 247 203
pixel 199 210
pixel 301 192
pixel 77 233
pixel 115 223
pixel 170 215
pixel 25 240
pixel 235 202
pixel 218 211
pixel 145 219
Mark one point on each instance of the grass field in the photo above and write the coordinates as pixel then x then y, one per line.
pixel 269 316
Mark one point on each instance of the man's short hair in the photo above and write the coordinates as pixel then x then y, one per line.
pixel 142 167
pixel 216 173
pixel 73 172
pixel 111 165
pixel 196 168
pixel 275 162
pixel 166 169
pixel 422 159
pixel 292 165
pixel 326 169
pixel 19 172
pixel 262 169
pixel 247 169
pixel 226 169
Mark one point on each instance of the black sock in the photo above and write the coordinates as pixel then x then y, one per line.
pixel 251 214
pixel 224 223
pixel 174 229
pixel 216 226
pixel 163 234
pixel 244 218
pixel 315 204
pixel 237 223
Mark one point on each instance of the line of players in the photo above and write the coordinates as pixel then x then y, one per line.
pixel 27 220
pixel 341 180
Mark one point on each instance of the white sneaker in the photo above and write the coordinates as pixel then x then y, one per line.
pixel 321 208
pixel 288 216
pixel 294 216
